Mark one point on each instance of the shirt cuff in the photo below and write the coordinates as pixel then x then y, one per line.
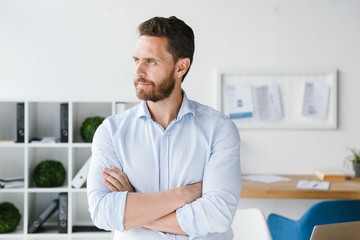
pixel 186 219
pixel 123 197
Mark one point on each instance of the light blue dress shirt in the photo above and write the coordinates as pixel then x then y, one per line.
pixel 200 145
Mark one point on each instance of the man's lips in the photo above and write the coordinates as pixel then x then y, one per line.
pixel 143 83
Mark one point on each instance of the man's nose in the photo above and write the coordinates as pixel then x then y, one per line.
pixel 140 70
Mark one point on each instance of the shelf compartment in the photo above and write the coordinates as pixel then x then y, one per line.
pixel 12 163
pixel 18 200
pixel 8 123
pixel 44 120
pixel 83 110
pixel 79 210
pixel 37 203
pixel 37 155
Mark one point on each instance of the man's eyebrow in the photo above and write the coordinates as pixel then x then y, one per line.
pixel 154 59
pixel 148 58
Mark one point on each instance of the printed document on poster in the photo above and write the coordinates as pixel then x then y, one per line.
pixel 316 100
pixel 238 101
pixel 268 102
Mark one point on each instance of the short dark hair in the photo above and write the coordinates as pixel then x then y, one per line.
pixel 180 36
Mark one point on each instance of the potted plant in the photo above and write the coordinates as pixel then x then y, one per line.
pixel 354 159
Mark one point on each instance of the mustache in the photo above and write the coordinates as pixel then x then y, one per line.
pixel 142 80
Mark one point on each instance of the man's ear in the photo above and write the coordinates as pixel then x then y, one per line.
pixel 182 66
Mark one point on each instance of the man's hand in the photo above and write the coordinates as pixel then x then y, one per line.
pixel 116 181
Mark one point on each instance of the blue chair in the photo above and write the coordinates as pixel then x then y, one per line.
pixel 326 212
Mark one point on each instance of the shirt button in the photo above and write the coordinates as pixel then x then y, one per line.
pixel 165 134
pixel 163 162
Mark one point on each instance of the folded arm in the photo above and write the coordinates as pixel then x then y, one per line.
pixel 151 210
pixel 167 223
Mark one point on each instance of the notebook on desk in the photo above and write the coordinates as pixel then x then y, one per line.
pixel 337 231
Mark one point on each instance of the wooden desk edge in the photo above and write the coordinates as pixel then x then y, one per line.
pixel 287 190
pixel 299 194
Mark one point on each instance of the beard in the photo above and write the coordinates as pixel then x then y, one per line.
pixel 158 92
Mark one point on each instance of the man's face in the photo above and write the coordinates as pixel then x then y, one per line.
pixel 154 69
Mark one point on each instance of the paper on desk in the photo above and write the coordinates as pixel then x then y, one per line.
pixel 268 178
pixel 312 184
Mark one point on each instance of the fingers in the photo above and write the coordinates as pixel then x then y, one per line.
pixel 110 186
pixel 117 179
pixel 111 183
pixel 124 180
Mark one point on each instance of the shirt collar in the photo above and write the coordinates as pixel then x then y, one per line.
pixel 186 107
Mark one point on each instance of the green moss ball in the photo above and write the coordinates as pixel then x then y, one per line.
pixel 49 173
pixel 9 217
pixel 88 128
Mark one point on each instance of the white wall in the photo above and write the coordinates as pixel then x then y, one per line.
pixel 83 49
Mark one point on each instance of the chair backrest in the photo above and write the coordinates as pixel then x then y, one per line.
pixel 328 212
pixel 337 231
pixel 250 224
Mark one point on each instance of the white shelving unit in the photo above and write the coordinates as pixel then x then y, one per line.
pixel 18 160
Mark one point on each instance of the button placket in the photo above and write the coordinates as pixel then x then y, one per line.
pixel 164 168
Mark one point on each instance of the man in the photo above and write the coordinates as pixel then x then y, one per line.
pixel 168 168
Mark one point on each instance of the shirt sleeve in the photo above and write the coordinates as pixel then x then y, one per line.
pixel 106 208
pixel 215 210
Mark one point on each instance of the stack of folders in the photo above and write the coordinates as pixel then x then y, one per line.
pixel 57 205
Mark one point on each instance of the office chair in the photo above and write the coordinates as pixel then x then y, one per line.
pixel 250 224
pixel 326 212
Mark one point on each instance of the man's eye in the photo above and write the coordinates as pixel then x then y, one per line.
pixel 151 61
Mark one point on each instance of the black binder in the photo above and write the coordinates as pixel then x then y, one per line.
pixel 48 211
pixel 64 122
pixel 63 203
pixel 20 113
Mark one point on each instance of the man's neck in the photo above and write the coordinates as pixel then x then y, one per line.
pixel 165 111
